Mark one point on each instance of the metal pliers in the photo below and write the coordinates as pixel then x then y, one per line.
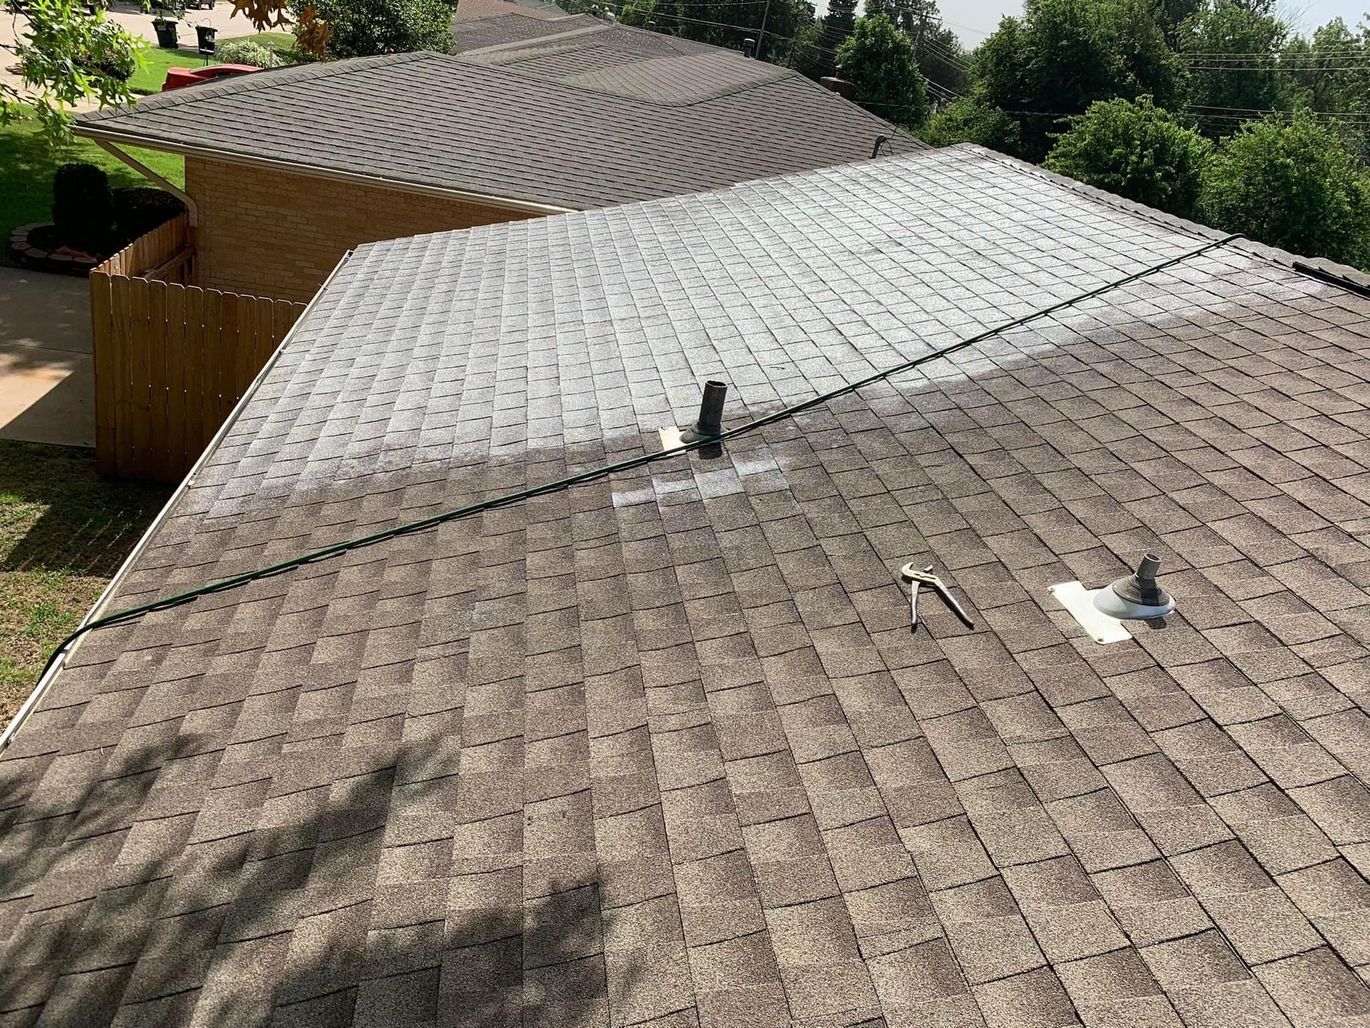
pixel 910 573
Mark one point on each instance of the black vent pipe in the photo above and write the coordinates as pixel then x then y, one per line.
pixel 710 423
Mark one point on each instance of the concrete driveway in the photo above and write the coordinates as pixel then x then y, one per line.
pixel 47 375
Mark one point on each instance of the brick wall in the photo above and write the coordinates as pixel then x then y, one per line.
pixel 279 234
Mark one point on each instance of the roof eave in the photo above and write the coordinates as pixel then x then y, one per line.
pixel 99 131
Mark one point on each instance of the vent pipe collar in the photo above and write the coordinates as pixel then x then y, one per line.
pixel 1137 596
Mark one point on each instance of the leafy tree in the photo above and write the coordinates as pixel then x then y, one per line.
pixel 969 121
pixel 838 23
pixel 1135 150
pixel 1234 63
pixel 939 52
pixel 1065 54
pixel 1331 73
pixel 881 61
pixel 1170 15
pixel 942 59
pixel 804 54
pixel 365 28
pixel 638 12
pixel 1291 184
pixel 66 56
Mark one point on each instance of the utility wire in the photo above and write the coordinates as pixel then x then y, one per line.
pixel 605 470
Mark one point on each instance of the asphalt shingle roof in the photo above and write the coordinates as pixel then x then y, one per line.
pixel 576 114
pixel 661 749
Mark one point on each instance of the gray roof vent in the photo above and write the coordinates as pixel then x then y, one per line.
pixel 708 426
pixel 1137 596
pixel 1104 613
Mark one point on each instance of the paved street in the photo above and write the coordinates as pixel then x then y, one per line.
pixel 47 379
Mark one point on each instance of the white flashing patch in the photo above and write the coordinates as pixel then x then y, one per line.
pixel 670 439
pixel 1079 603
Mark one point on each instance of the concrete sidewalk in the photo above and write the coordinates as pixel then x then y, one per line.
pixel 47 374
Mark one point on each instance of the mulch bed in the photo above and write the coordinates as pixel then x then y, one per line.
pixel 37 246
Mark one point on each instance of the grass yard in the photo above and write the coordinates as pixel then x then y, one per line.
pixel 153 63
pixel 27 164
pixel 64 531
pixel 152 68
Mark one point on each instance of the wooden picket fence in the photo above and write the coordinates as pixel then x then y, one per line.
pixel 171 359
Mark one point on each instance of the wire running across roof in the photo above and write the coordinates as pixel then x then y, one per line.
pixel 662 747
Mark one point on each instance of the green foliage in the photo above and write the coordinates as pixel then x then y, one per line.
pixel 1291 184
pixel 938 50
pixel 968 121
pixel 83 207
pixel 941 57
pixel 29 162
pixel 637 12
pixel 1170 15
pixel 66 56
pixel 137 211
pixel 1331 73
pixel 804 55
pixel 245 51
pixel 1065 54
pixel 838 24
pixel 1135 150
pixel 1223 34
pixel 881 61
pixel 365 28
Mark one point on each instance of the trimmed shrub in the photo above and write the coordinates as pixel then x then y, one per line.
pixel 83 207
pixel 245 51
pixel 140 209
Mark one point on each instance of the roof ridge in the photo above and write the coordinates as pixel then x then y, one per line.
pixel 264 79
pixel 515 44
pixel 1321 268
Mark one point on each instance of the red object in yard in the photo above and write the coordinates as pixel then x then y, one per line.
pixel 177 78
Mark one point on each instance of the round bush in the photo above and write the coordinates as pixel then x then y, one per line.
pixel 139 210
pixel 245 51
pixel 83 207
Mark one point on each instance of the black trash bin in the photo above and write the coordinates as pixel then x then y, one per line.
pixel 166 29
pixel 206 35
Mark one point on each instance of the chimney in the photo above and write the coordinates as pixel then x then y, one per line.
pixel 749 48
pixel 839 86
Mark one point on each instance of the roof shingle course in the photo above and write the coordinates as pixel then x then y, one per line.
pixel 557 120
pixel 662 745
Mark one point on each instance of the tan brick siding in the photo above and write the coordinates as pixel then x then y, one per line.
pixel 276 233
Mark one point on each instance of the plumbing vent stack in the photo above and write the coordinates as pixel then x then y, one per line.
pixel 710 423
pixel 1138 595
pixel 749 48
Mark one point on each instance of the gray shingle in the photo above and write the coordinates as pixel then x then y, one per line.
pixel 660 748
pixel 589 116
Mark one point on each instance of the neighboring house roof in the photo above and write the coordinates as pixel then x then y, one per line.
pixel 503 27
pixel 472 10
pixel 662 745
pixel 568 114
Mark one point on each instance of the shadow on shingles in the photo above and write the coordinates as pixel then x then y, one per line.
pixel 115 909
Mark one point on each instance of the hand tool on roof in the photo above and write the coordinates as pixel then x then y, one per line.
pixel 917 579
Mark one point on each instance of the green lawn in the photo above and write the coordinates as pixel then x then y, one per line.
pixel 64 531
pixel 152 67
pixel 154 62
pixel 27 164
